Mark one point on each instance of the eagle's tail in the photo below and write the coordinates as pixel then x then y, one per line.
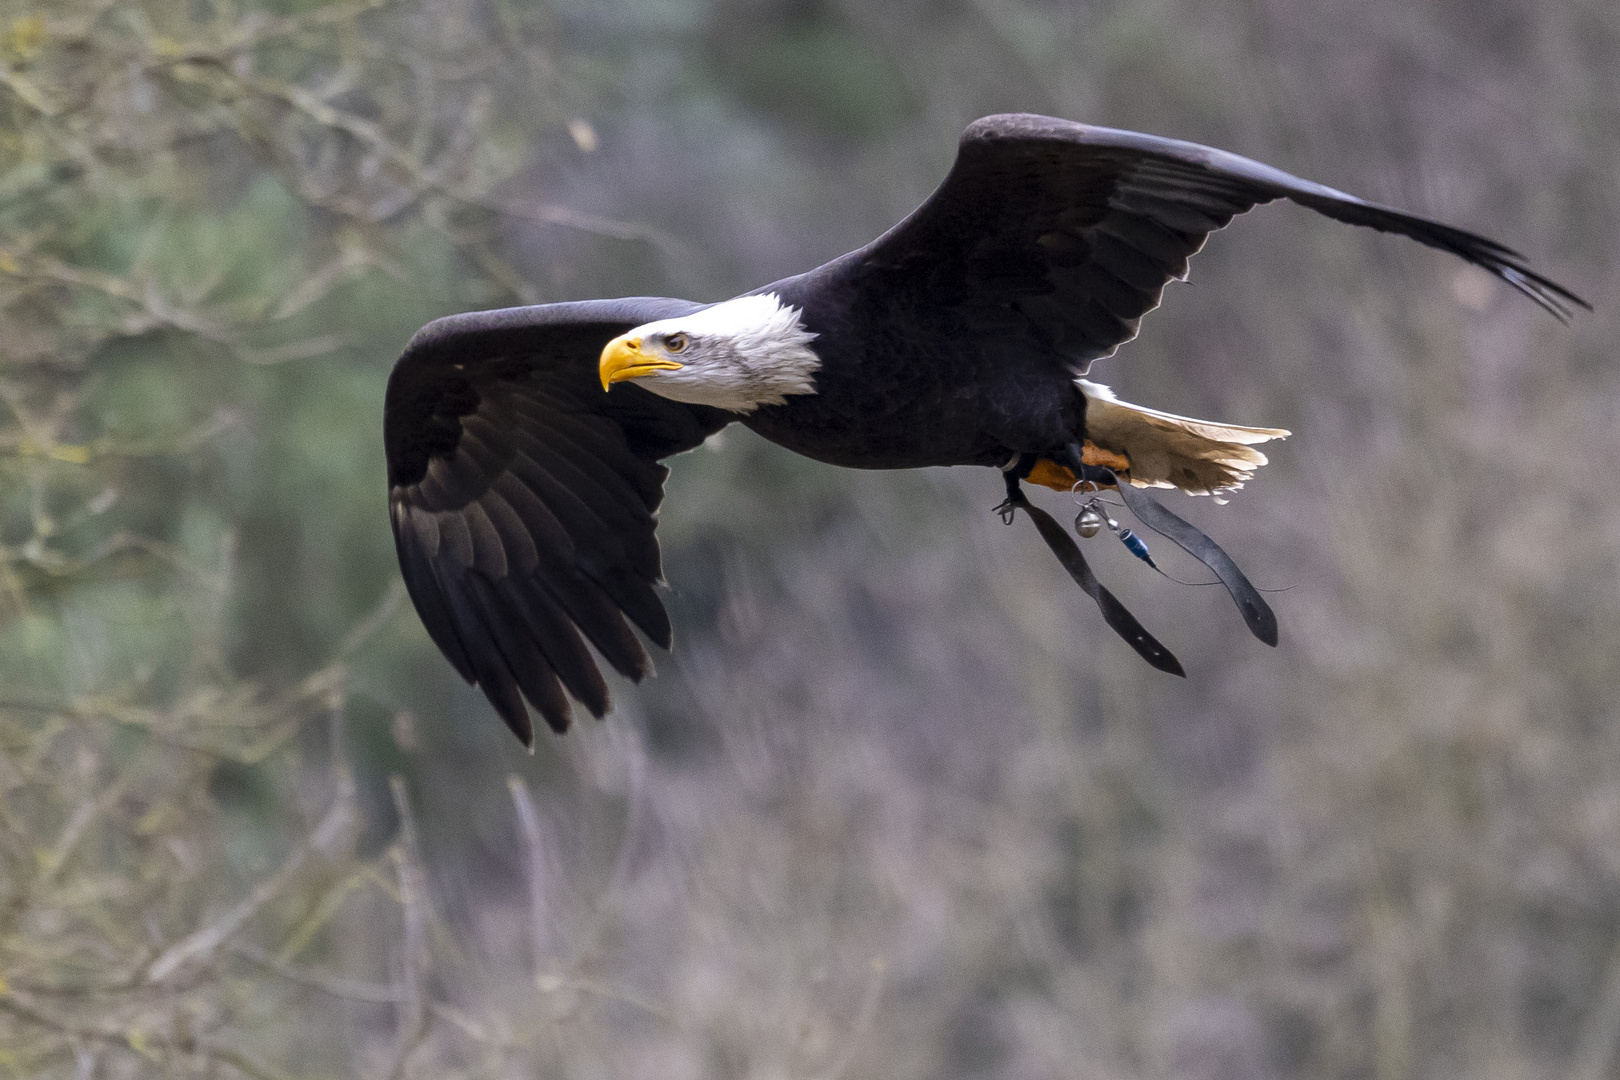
pixel 1161 449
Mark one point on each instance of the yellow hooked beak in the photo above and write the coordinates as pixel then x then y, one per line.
pixel 623 359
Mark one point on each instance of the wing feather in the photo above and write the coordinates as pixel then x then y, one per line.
pixel 455 539
pixel 1129 264
pixel 607 457
pixel 533 629
pixel 542 485
pixel 524 500
pixel 610 522
pixel 525 660
pixel 489 554
pixel 517 542
pixel 1047 218
pixel 637 599
pixel 616 504
pixel 491 669
pixel 416 540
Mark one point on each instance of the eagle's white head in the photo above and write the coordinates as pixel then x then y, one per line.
pixel 736 355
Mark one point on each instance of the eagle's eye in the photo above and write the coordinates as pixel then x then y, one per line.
pixel 676 343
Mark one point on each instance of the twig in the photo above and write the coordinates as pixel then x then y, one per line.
pixel 27 92
pixel 863 1021
pixel 305 349
pixel 552 984
pixel 533 865
pixel 328 906
pixel 86 812
pixel 336 985
pixel 567 217
pixel 204 942
pixel 374 620
pixel 413 1017
pixel 1595 1051
pixel 140 1042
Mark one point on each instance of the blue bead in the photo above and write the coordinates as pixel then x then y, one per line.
pixel 1136 547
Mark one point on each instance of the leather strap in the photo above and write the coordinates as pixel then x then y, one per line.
pixel 1114 614
pixel 1257 614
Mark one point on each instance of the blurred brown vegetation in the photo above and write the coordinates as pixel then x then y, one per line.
pixel 898 804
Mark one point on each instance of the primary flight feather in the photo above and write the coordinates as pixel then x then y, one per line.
pixel 524 444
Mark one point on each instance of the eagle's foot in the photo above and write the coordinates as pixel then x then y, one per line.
pixel 1008 508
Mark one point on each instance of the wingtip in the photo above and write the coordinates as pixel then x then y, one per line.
pixel 519 724
pixel 1556 300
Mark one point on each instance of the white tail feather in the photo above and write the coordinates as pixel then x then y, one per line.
pixel 1198 456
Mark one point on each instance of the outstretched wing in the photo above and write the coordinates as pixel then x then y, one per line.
pixel 1079 228
pixel 524 499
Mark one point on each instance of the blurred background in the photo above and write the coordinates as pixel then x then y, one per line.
pixel 898 804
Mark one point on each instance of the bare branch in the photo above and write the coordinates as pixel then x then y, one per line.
pixel 200 945
pixel 413 1014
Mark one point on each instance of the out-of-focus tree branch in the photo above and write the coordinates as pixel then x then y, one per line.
pixel 187 195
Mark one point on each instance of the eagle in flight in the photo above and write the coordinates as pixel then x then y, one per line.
pixel 524 444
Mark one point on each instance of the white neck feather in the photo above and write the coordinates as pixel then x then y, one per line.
pixel 745 353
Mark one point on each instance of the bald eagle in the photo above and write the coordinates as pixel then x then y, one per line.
pixel 524 444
